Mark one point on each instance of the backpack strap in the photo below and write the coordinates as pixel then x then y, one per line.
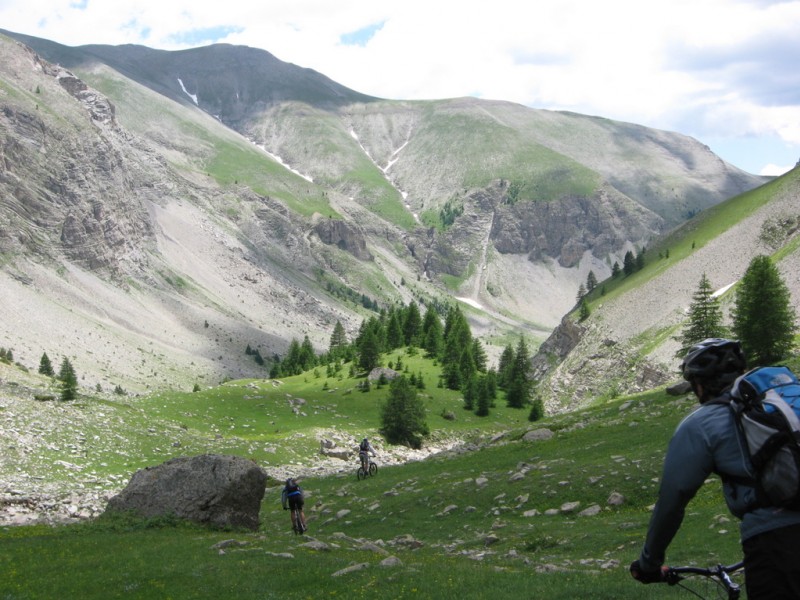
pixel 736 406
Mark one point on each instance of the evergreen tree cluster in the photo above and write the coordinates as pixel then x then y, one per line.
pixel 763 318
pixel 6 355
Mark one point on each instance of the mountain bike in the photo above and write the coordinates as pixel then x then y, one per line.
pixel 717 581
pixel 370 469
pixel 298 524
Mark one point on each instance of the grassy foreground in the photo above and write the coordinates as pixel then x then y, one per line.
pixel 490 521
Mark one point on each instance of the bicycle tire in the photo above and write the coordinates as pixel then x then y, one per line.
pixel 361 473
pixel 373 468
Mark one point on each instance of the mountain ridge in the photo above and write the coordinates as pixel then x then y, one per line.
pixel 252 202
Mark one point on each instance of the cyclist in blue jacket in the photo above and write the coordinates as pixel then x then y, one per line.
pixel 292 498
pixel 707 441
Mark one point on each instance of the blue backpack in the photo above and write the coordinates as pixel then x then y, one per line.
pixel 766 402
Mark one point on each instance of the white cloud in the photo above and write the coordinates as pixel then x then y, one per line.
pixel 719 69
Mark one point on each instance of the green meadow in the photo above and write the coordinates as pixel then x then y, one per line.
pixel 501 516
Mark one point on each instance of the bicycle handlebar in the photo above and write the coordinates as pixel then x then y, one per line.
pixel 673 575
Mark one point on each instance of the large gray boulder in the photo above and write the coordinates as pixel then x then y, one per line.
pixel 212 489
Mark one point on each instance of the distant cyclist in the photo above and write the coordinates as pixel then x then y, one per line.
pixel 292 499
pixel 364 449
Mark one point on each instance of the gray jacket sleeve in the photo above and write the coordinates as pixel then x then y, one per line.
pixel 689 461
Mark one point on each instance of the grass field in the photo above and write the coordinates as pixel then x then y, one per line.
pixel 494 519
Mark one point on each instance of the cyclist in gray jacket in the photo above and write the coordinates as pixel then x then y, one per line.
pixel 707 441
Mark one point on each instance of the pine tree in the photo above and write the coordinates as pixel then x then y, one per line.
pixel 368 351
pixel 591 281
pixel 640 259
pixel 629 263
pixel 763 317
pixel 307 357
pixel 291 364
pixel 394 331
pixel 412 325
pixel 581 293
pixel 457 340
pixel 583 309
pixel 45 366
pixel 68 379
pixel 504 367
pixel 479 356
pixel 518 390
pixel 705 318
pixel 484 400
pixel 537 409
pixel 338 341
pixel 432 335
pixel 403 415
pixel 470 391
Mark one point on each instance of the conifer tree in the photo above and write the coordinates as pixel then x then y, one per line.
pixel 45 366
pixel 591 281
pixel 705 318
pixel 640 259
pixel 484 400
pixel 466 366
pixel 470 392
pixel 338 342
pixel 403 418
pixel 307 357
pixel 537 409
pixel 368 352
pixel 491 386
pixel 457 339
pixel 518 390
pixel 505 364
pixel 763 318
pixel 68 379
pixel 291 363
pixel 583 309
pixel 412 325
pixel 629 263
pixel 479 356
pixel 394 331
pixel 432 335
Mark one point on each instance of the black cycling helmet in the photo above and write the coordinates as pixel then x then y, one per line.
pixel 716 362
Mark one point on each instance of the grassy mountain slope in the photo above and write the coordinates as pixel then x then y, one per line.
pixel 630 335
pixel 497 512
pixel 177 222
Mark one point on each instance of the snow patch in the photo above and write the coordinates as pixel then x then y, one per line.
pixel 185 91
pixel 280 161
pixel 471 302
pixel 722 290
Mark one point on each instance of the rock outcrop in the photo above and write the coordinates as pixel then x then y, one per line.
pixel 343 235
pixel 217 490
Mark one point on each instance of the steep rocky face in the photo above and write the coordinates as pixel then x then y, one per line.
pixel 566 229
pixel 603 225
pixel 344 236
pixel 53 204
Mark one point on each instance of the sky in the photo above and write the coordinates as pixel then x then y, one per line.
pixel 726 72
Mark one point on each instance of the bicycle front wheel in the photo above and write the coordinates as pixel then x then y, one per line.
pixel 373 468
